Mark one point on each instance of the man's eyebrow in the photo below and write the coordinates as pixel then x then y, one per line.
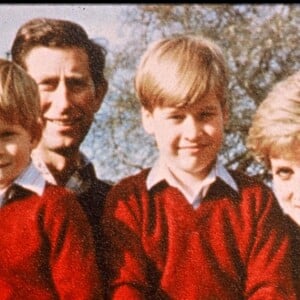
pixel 46 80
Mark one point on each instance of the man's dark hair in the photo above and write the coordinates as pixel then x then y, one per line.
pixel 58 33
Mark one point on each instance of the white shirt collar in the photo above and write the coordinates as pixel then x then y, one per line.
pixel 42 167
pixel 32 179
pixel 160 172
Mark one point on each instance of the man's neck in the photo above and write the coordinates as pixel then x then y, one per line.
pixel 59 164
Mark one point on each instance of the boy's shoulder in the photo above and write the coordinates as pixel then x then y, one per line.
pixel 251 186
pixel 131 184
pixel 244 180
pixel 56 190
pixel 55 196
pixel 138 180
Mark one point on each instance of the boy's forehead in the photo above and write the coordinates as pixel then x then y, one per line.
pixel 191 109
pixel 209 101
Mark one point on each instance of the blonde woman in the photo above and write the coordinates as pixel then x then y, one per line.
pixel 274 139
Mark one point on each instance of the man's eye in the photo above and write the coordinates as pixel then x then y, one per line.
pixel 47 86
pixel 77 84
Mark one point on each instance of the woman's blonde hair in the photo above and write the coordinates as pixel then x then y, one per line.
pixel 19 98
pixel 180 71
pixel 275 129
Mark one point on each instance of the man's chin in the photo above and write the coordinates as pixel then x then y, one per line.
pixel 63 146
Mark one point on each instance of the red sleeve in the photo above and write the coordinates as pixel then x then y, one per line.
pixel 268 269
pixel 122 226
pixel 72 255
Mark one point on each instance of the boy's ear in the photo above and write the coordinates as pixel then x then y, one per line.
pixel 147 120
pixel 101 91
pixel 225 115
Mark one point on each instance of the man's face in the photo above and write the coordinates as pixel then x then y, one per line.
pixel 68 95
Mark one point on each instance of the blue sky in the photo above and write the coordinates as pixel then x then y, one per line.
pixel 97 19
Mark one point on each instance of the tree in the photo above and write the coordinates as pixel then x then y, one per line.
pixel 260 43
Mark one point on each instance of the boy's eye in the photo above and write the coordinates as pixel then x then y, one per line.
pixel 284 173
pixel 176 117
pixel 206 115
pixel 7 134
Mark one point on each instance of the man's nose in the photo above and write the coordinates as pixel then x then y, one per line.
pixel 61 97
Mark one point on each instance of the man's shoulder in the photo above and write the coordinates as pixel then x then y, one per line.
pixel 102 186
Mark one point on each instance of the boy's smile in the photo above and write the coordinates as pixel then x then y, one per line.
pixel 15 148
pixel 189 138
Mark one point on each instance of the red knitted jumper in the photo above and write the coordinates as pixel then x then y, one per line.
pixel 46 249
pixel 234 246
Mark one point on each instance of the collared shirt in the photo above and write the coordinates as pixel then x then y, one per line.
pixel 161 172
pixel 30 179
pixel 81 179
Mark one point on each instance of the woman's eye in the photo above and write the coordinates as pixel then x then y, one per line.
pixel 284 173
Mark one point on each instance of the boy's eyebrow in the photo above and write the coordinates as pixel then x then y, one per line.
pixel 205 107
pixel 211 107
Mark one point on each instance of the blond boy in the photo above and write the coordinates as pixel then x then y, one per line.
pixel 46 246
pixel 187 228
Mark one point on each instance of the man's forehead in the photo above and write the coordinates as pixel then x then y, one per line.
pixel 47 58
pixel 52 63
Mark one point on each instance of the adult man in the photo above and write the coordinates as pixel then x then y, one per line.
pixel 69 70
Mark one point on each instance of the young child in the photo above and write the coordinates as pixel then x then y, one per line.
pixel 188 228
pixel 274 139
pixel 46 246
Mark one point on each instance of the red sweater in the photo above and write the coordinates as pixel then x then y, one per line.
pixel 234 246
pixel 46 249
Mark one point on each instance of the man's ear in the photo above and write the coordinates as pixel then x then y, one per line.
pixel 147 120
pixel 101 91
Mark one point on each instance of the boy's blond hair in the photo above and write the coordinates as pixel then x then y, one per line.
pixel 275 129
pixel 180 71
pixel 19 98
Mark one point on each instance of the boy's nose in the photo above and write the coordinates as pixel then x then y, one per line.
pixel 192 128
